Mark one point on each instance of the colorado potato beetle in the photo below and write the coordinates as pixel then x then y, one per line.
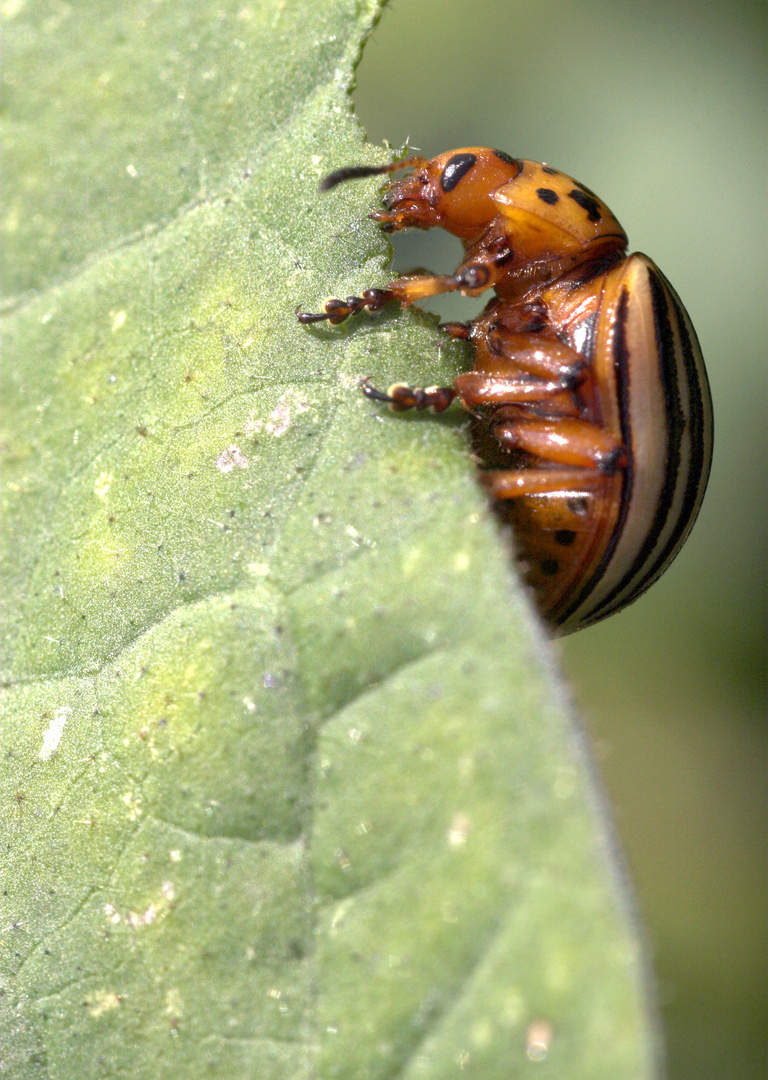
pixel 592 418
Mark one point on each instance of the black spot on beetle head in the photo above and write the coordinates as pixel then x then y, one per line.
pixel 456 169
pixel 586 202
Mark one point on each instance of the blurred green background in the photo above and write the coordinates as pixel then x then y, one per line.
pixel 661 109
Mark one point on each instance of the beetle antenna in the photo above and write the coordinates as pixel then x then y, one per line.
pixel 356 172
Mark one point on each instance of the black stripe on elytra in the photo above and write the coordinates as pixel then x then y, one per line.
pixel 700 407
pixel 669 372
pixel 696 480
pixel 621 367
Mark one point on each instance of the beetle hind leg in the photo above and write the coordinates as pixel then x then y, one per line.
pixel 559 454
pixel 503 484
pixel 560 441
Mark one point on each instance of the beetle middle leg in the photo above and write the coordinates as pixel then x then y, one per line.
pixel 538 373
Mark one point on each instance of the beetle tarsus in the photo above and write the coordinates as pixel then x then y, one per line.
pixel 372 393
pixel 336 311
pixel 401 398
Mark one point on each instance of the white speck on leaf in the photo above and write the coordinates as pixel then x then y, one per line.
pixel 53 733
pixel 231 457
pixel 112 913
pixel 258 569
pixel 101 487
pixel 458 831
pixel 132 803
pixel 103 1001
pixel 461 562
pixel 279 420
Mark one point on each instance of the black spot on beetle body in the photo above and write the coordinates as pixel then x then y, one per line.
pixel 586 202
pixel 509 160
pixel 565 537
pixel 456 169
pixel 549 567
pixel 586 190
pixel 549 170
pixel 547 195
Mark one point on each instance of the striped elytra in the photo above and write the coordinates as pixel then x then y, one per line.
pixel 592 419
pixel 652 393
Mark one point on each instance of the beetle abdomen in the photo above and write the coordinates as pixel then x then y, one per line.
pixel 646 350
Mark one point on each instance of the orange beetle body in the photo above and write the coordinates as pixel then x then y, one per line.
pixel 592 418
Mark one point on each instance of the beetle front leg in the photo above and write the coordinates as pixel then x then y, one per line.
pixel 470 280
pixel 405 290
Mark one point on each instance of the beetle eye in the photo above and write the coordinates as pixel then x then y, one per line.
pixel 458 166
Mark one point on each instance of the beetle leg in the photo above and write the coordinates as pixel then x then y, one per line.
pixel 477 390
pixel 457 331
pixel 336 311
pixel 573 454
pixel 514 483
pixel 402 397
pixel 469 279
pixel 561 440
pixel 405 290
pixel 540 354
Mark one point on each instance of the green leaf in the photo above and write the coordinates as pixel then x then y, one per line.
pixel 291 787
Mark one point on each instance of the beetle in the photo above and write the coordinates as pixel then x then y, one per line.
pixel 592 416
